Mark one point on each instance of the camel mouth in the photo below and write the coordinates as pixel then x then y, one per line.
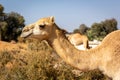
pixel 26 34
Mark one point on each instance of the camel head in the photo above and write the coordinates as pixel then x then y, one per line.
pixel 41 29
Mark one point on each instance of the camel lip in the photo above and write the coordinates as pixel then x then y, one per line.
pixel 26 34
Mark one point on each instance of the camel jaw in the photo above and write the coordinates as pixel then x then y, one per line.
pixel 26 34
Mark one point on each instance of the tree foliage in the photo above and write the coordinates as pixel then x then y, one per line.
pixel 109 25
pixel 98 30
pixel 82 29
pixel 10 25
pixel 1 9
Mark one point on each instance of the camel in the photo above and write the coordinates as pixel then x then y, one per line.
pixel 105 57
pixel 78 39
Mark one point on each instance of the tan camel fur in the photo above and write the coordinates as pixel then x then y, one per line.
pixel 105 57
pixel 78 39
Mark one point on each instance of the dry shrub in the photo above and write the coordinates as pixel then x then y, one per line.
pixel 40 63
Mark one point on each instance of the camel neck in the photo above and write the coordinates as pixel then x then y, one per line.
pixel 77 58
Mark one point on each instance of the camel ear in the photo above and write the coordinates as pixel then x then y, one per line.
pixel 52 19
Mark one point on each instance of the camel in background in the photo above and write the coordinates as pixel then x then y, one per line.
pixel 78 39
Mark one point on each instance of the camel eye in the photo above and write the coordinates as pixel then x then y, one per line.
pixel 42 26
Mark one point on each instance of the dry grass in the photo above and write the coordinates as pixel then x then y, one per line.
pixel 37 61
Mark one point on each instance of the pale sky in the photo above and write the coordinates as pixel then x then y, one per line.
pixel 69 14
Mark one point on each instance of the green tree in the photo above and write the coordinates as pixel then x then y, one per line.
pixel 82 29
pixel 109 25
pixel 3 30
pixel 1 9
pixel 2 15
pixel 11 25
pixel 15 22
pixel 96 32
pixel 1 19
pixel 100 30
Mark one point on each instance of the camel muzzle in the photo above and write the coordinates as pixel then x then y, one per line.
pixel 26 34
